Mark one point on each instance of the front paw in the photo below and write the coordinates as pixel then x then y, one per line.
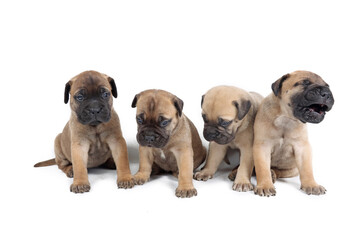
pixel 125 182
pixel 185 193
pixel 80 187
pixel 242 186
pixel 314 190
pixel 264 190
pixel 140 179
pixel 203 175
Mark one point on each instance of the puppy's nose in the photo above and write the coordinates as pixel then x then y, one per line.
pixel 94 110
pixel 325 93
pixel 213 135
pixel 149 138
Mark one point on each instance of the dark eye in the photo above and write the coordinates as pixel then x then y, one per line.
pixel 139 120
pixel 306 82
pixel 204 118
pixel 105 95
pixel 79 98
pixel 224 123
pixel 165 122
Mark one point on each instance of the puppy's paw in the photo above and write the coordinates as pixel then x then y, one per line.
pixel 68 170
pixel 273 176
pixel 266 191
pixel 203 175
pixel 140 179
pixel 70 173
pixel 185 193
pixel 314 190
pixel 125 182
pixel 80 187
pixel 242 187
pixel 232 175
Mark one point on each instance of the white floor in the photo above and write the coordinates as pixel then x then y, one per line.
pixel 185 47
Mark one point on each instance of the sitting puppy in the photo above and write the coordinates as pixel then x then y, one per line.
pixel 229 114
pixel 168 140
pixel 281 146
pixel 92 137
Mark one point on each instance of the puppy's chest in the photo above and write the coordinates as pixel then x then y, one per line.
pixel 282 155
pixel 166 160
pixel 99 151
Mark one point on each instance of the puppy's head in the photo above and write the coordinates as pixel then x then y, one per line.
pixel 224 109
pixel 91 97
pixel 304 95
pixel 158 113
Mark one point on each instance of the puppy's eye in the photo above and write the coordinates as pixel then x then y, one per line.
pixel 139 120
pixel 205 118
pixel 79 98
pixel 105 95
pixel 224 123
pixel 306 82
pixel 165 122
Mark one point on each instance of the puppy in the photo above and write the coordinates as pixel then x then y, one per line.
pixel 92 137
pixel 168 140
pixel 281 146
pixel 229 114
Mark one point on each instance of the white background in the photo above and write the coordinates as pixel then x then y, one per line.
pixel 185 47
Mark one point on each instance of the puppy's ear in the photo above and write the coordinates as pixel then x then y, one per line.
pixel 276 86
pixel 113 87
pixel 202 99
pixel 67 91
pixel 179 105
pixel 243 107
pixel 134 102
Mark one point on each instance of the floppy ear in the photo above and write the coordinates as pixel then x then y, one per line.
pixel 202 99
pixel 134 102
pixel 276 86
pixel 242 107
pixel 67 91
pixel 113 87
pixel 179 104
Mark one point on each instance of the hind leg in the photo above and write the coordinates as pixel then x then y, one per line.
pixel 63 163
pixel 283 173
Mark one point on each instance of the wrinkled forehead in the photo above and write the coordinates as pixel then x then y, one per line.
pixel 301 76
pixel 219 109
pixel 89 83
pixel 153 106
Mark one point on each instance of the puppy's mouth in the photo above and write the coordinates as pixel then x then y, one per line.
pixel 313 113
pixel 211 134
pixel 317 108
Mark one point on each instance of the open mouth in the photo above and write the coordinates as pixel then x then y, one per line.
pixel 317 108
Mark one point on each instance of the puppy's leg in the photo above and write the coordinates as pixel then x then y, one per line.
pixel 63 164
pixel 217 153
pixel 185 162
pixel 262 161
pixel 120 155
pixel 145 165
pixel 242 181
pixel 283 173
pixel 304 163
pixel 79 155
pixel 232 174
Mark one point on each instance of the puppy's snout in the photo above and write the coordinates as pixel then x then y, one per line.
pixel 210 133
pixel 94 110
pixel 149 139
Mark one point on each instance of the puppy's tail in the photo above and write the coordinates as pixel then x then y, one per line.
pixel 46 163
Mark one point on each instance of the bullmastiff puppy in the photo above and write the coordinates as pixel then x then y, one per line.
pixel 229 113
pixel 281 146
pixel 92 137
pixel 168 140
